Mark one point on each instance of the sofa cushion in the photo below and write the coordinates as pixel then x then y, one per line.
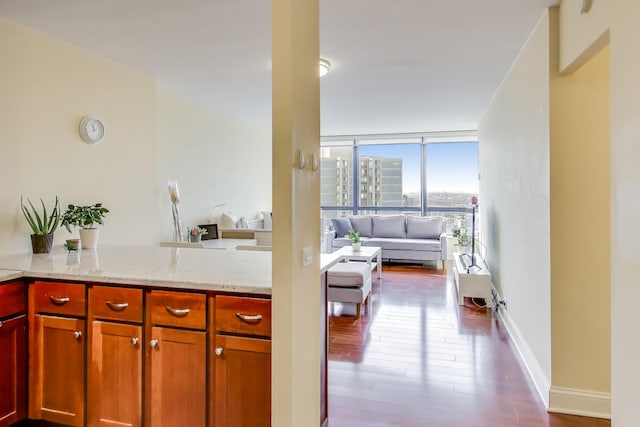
pixel 341 226
pixel 267 220
pixel 349 274
pixel 340 242
pixel 389 226
pixel 428 245
pixel 227 221
pixel 363 225
pixel 424 227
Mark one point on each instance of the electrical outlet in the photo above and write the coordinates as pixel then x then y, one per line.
pixel 307 256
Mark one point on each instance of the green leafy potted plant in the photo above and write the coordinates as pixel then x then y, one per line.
pixel 42 224
pixel 354 236
pixel 86 218
pixel 196 233
pixel 464 241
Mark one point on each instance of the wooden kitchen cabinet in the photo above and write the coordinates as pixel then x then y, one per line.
pixel 114 383
pixel 177 359
pixel 56 352
pixel 242 356
pixel 13 356
pixel 57 371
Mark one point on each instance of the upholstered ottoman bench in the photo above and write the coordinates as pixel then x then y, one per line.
pixel 349 282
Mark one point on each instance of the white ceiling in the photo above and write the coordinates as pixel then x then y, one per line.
pixel 397 66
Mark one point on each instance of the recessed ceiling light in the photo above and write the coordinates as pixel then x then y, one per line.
pixel 324 67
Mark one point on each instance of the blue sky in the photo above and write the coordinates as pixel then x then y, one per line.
pixel 451 167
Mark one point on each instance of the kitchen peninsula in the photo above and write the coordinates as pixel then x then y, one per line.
pixel 186 332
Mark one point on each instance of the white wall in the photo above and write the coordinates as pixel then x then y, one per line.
pixel 582 35
pixel 514 171
pixel 46 87
pixel 625 206
pixel 215 159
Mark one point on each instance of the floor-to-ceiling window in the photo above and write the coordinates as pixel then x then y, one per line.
pixel 426 174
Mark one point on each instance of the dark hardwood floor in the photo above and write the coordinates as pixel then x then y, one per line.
pixel 416 358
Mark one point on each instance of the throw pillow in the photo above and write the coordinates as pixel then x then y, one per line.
pixel 362 224
pixel 242 223
pixel 424 227
pixel 341 225
pixel 392 226
pixel 267 220
pixel 227 220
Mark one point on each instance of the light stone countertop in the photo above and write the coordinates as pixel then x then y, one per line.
pixel 6 275
pixel 177 268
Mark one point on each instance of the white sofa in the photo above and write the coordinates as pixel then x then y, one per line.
pixel 402 238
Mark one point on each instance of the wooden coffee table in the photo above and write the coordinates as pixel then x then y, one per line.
pixel 366 253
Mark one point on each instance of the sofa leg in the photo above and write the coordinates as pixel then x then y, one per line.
pixel 358 311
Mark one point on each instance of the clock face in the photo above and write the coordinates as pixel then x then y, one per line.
pixel 91 130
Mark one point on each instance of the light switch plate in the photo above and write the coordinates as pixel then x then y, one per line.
pixel 307 256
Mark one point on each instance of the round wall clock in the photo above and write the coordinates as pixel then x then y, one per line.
pixel 91 130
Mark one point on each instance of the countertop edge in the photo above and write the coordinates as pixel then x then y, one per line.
pixel 151 283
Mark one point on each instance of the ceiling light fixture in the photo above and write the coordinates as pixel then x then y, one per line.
pixel 584 6
pixel 324 67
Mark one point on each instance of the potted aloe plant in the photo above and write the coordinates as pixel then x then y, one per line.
pixel 86 218
pixel 42 224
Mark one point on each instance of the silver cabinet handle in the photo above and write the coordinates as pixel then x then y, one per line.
pixel 77 335
pixel 0 323
pixel 59 300
pixel 117 306
pixel 178 312
pixel 249 318
pixel 153 343
pixel 218 351
pixel 134 341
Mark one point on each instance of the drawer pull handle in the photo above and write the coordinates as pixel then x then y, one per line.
pixel 59 300
pixel 218 351
pixel 77 335
pixel 153 343
pixel 117 306
pixel 134 341
pixel 178 312
pixel 249 318
pixel 0 323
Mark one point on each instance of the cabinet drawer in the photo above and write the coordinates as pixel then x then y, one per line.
pixel 250 316
pixel 106 302
pixel 13 298
pixel 59 298
pixel 180 309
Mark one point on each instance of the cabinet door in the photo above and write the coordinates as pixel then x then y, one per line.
pixel 13 374
pixel 57 371
pixel 115 375
pixel 243 382
pixel 177 375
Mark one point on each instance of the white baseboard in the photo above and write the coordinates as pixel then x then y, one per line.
pixel 537 374
pixel 580 402
pixel 555 399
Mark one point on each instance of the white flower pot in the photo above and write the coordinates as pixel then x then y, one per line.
pixel 355 247
pixel 89 238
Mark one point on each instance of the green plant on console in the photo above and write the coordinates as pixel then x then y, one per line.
pixel 83 216
pixel 354 236
pixel 40 222
pixel 463 238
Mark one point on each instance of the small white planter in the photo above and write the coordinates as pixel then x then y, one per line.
pixel 89 238
pixel 355 247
